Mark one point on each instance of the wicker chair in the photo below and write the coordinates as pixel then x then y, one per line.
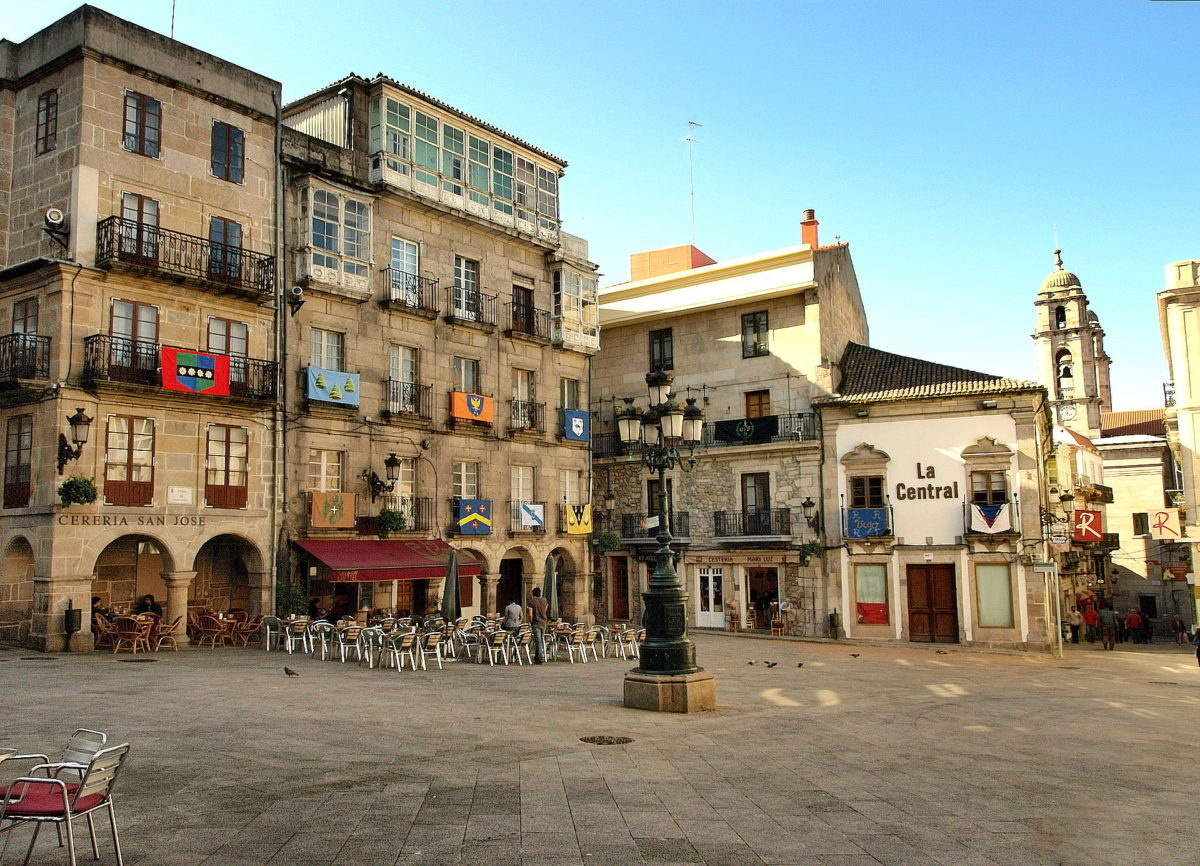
pixel 213 630
pixel 168 634
pixel 131 633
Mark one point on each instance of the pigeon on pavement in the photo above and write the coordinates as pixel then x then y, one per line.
pixel 799 664
pixel 290 672
pixel 853 655
pixel 751 663
pixel 770 664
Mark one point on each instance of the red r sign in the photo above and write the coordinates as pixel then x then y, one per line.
pixel 1088 526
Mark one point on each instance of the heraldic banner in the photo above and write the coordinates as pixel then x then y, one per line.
pixel 474 516
pixel 331 510
pixel 195 372
pixel 332 386
pixel 747 429
pixel 579 519
pixel 990 518
pixel 470 407
pixel 577 424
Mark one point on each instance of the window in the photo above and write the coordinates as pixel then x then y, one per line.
pixel 1063 366
pixel 989 487
pixel 502 179
pixel 225 466
pixel 406 266
pixel 139 229
pixel 522 385
pixel 866 491
pixel 225 250
pixel 143 124
pixel 391 133
pixel 454 161
pixel 467 303
pixel 662 355
pixel 426 154
pixel 524 412
pixel 18 452
pixel 758 404
pixel 522 309
pixel 994 587
pixel 525 190
pixel 402 370
pixel 870 589
pixel 46 137
pixel 133 345
pixel 325 470
pixel 228 152
pixel 226 337
pixel 466 375
pixel 568 393
pixel 327 349
pixel 24 348
pixel 754 334
pixel 1141 523
pixel 25 316
pixel 129 461
pixel 521 483
pixel 478 173
pixel 547 203
pixel 465 483
pixel 340 230
pixel 570 483
pixel 756 491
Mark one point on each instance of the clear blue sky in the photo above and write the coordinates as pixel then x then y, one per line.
pixel 943 140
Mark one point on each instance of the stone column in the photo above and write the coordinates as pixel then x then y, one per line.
pixel 50 599
pixel 262 596
pixel 178 583
pixel 487 592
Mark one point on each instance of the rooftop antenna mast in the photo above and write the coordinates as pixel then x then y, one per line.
pixel 172 19
pixel 691 175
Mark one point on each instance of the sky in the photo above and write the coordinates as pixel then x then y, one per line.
pixel 948 142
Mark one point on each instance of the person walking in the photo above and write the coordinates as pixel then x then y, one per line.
pixel 1108 628
pixel 539 609
pixel 1092 620
pixel 1075 620
pixel 1133 625
pixel 1179 629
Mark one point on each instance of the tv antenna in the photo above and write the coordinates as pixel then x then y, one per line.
pixel 690 139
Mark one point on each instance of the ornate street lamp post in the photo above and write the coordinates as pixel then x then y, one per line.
pixel 667 678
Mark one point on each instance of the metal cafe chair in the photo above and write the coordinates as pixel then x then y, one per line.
pixel 370 646
pixel 51 800
pixel 401 646
pixel 431 646
pixel 522 641
pixel 497 646
pixel 347 641
pixel 296 635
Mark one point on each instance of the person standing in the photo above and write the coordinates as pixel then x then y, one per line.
pixel 1108 628
pixel 1075 620
pixel 1133 625
pixel 1179 629
pixel 1091 619
pixel 539 609
pixel 512 616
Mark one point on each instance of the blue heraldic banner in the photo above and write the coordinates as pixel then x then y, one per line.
pixel 866 522
pixel 474 517
pixel 577 424
pixel 331 386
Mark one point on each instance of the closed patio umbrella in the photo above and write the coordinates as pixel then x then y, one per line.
pixel 550 588
pixel 451 600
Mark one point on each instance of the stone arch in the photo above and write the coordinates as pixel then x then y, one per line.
pixel 518 572
pixel 130 566
pixel 573 583
pixel 16 589
pixel 229 575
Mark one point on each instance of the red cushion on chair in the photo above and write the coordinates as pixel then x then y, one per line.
pixel 44 800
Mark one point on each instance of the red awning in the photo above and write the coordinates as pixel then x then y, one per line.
pixel 363 560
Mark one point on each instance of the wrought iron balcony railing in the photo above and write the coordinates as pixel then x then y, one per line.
pixel 524 516
pixel 24 356
pixel 410 291
pixel 527 416
pixel 634 526
pixel 408 398
pixel 756 522
pixel 417 511
pixel 608 445
pixel 525 321
pixel 789 427
pixel 179 254
pixel 470 307
pixel 119 359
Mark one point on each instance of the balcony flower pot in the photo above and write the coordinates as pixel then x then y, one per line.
pixel 77 490
pixel 390 520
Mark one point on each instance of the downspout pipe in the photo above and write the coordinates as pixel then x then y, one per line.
pixel 278 504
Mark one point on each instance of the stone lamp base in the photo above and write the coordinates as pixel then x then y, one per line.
pixel 684 693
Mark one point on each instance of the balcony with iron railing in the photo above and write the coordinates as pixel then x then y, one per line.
pixel 788 427
pixel 526 416
pixel 526 516
pixel 635 531
pixel 754 524
pixel 417 511
pixel 407 400
pixel 410 293
pixel 526 323
pixel 24 356
pixel 470 307
pixel 137 362
pixel 138 245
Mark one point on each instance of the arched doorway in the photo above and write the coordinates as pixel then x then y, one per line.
pixel 569 591
pixel 127 569
pixel 224 566
pixel 16 591
pixel 516 569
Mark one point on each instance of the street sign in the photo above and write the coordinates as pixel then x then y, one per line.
pixel 1044 566
pixel 1059 539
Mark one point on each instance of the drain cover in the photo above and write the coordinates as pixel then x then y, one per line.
pixel 38 658
pixel 606 741
pixel 136 661
pixel 1161 683
pixel 1069 667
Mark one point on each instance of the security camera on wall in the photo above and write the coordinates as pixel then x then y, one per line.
pixel 54 223
pixel 295 298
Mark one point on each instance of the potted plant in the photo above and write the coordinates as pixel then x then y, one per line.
pixel 290 599
pixel 809 549
pixel 390 520
pixel 608 541
pixel 77 490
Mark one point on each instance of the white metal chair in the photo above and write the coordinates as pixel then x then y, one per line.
pixel 347 641
pixel 430 646
pixel 401 646
pixel 370 645
pixel 497 646
pixel 522 641
pixel 296 635
pixel 576 646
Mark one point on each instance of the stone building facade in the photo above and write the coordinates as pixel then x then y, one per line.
pixel 752 341
pixel 139 225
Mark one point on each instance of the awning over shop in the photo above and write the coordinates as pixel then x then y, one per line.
pixel 391 559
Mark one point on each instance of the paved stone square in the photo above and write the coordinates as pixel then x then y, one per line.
pixel 897 756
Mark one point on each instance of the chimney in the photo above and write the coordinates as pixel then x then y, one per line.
pixel 808 228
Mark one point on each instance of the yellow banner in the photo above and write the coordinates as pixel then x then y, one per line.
pixel 579 519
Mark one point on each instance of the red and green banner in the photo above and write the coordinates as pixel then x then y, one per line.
pixel 195 372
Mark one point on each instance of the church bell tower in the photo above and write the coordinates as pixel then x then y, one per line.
pixel 1071 361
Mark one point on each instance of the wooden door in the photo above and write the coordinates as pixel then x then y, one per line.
pixel 932 604
pixel 620 588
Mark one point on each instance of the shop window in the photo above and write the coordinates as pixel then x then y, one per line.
pixel 870 591
pixel 993 584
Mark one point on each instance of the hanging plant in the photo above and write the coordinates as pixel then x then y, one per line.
pixel 608 541
pixel 390 520
pixel 77 490
pixel 809 549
